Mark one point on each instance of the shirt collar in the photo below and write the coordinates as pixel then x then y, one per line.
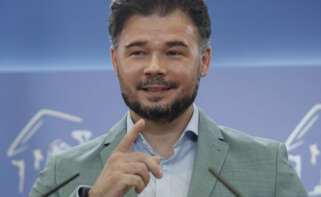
pixel 192 125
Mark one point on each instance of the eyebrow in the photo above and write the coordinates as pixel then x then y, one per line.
pixel 136 44
pixel 169 44
pixel 176 43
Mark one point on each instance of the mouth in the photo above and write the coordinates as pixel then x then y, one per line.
pixel 155 88
pixel 156 92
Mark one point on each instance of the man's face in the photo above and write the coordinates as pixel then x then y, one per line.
pixel 158 63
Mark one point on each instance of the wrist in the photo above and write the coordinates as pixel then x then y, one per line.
pixel 93 193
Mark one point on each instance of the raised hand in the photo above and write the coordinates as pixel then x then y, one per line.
pixel 125 169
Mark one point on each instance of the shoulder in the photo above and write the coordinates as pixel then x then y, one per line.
pixel 92 148
pixel 85 159
pixel 262 162
pixel 237 138
pixel 83 151
pixel 63 165
pixel 234 138
pixel 252 150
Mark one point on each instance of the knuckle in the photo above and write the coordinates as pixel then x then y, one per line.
pixel 116 176
pixel 136 180
pixel 143 171
pixel 125 180
pixel 141 167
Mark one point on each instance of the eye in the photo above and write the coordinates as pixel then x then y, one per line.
pixel 137 53
pixel 173 53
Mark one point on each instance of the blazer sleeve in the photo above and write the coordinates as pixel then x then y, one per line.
pixel 47 180
pixel 288 184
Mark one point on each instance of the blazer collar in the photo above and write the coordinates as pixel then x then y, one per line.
pixel 211 153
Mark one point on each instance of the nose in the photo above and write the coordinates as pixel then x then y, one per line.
pixel 155 66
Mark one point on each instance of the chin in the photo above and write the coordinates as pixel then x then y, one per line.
pixel 157 102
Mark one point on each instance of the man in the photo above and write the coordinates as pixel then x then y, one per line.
pixel 166 146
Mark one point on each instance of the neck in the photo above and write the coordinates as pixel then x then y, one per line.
pixel 163 136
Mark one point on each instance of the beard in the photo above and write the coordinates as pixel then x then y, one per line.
pixel 158 112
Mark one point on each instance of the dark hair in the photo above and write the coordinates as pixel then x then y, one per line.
pixel 122 10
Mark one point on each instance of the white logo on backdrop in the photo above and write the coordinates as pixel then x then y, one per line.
pixel 300 139
pixel 20 144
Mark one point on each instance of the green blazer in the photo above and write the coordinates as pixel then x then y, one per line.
pixel 255 167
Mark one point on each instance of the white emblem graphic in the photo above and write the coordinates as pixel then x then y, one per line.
pixel 303 145
pixel 20 144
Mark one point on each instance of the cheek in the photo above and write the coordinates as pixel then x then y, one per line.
pixel 187 83
pixel 130 76
pixel 127 83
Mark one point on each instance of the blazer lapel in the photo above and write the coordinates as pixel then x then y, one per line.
pixel 112 139
pixel 211 154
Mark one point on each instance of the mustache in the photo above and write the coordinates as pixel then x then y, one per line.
pixel 158 80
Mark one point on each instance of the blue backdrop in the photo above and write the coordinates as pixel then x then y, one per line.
pixel 47 112
pixel 57 89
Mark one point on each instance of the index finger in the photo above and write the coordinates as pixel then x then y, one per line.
pixel 128 140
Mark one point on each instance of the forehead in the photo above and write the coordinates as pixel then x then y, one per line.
pixel 159 29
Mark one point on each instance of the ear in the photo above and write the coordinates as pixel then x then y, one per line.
pixel 114 60
pixel 206 61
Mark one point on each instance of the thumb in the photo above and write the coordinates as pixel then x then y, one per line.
pixel 157 159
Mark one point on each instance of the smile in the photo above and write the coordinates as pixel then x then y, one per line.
pixel 155 91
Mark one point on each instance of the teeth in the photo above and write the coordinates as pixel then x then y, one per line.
pixel 155 89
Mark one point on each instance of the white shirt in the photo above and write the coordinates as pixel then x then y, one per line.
pixel 177 170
